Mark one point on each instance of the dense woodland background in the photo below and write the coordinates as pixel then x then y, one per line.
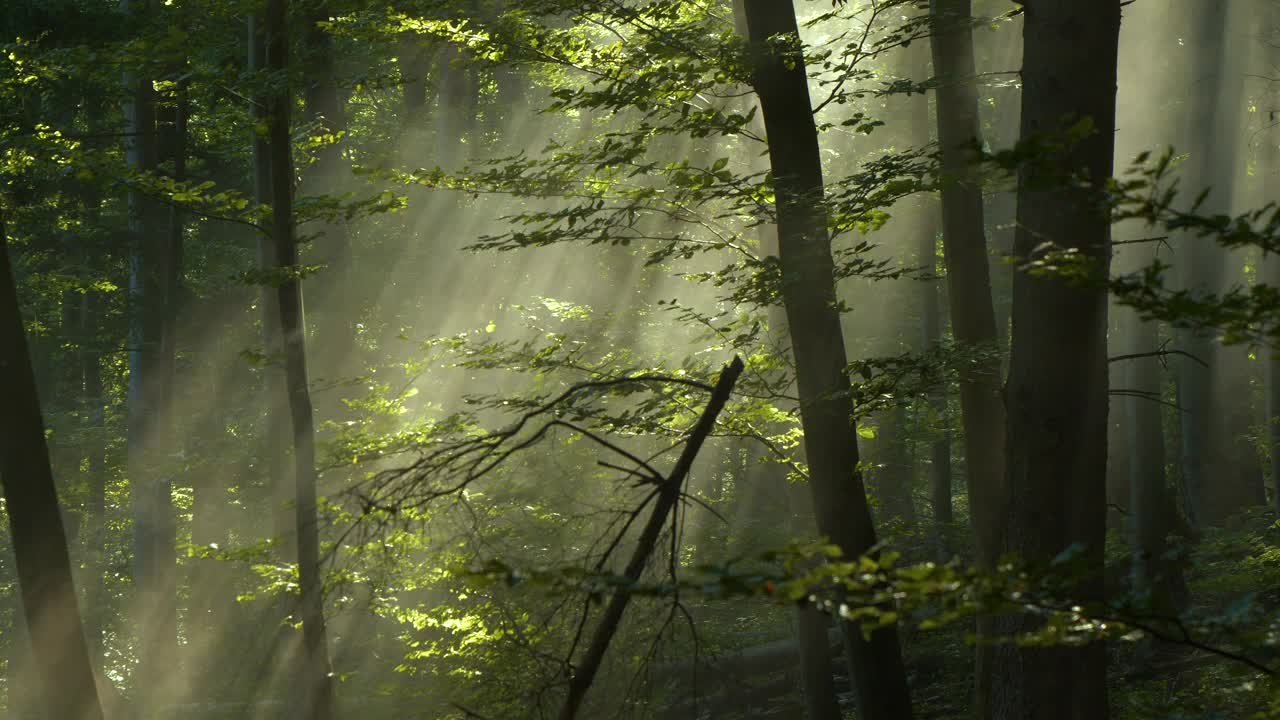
pixel 639 358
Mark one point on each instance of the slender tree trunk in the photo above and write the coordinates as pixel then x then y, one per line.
pixel 968 272
pixel 817 342
pixel 1272 268
pixel 96 476
pixel 925 228
pixel 1153 514
pixel 154 561
pixel 890 478
pixel 1118 424
pixel 276 406
pixel 63 669
pixel 1210 134
pixel 1270 163
pixel 333 302
pixel 973 319
pixel 1057 389
pixel 315 687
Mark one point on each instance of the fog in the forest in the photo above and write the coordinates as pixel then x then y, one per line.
pixel 595 390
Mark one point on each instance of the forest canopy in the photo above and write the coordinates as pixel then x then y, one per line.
pixel 671 359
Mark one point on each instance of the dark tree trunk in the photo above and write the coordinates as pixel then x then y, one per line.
pixel 1057 388
pixel 973 319
pixel 968 273
pixel 314 689
pixel 817 342
pixel 62 666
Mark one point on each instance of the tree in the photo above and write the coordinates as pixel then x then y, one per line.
pixel 1056 396
pixel 1220 470
pixel 973 318
pixel 152 275
pixel 314 681
pixel 817 341
pixel 964 244
pixel 63 668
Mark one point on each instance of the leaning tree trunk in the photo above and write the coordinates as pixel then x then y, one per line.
pixel 1057 389
pixel 314 683
pixel 61 657
pixel 817 342
pixel 669 491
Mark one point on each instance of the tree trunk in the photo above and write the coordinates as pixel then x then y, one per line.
pixel 314 684
pixel 1152 512
pixel 809 298
pixel 1057 389
pixel 892 472
pixel 96 597
pixel 926 219
pixel 1272 267
pixel 1270 164
pixel 973 319
pixel 968 273
pixel 275 406
pixel 335 311
pixel 50 609
pixel 1118 423
pixel 813 644
pixel 1210 461
pixel 154 558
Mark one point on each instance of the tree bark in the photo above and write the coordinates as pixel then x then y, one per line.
pixel 50 609
pixel 314 683
pixel 817 342
pixel 1057 388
